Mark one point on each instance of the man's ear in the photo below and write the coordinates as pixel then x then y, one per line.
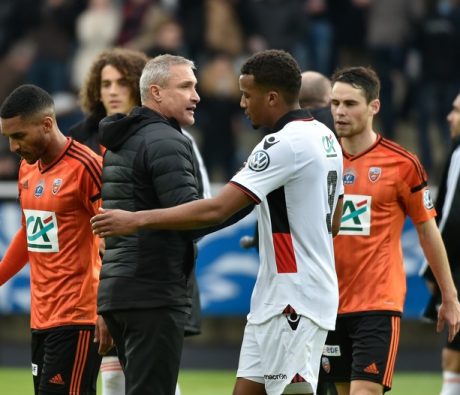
pixel 47 123
pixel 155 92
pixel 272 97
pixel 375 106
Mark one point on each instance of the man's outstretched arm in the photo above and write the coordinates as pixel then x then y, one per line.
pixel 192 215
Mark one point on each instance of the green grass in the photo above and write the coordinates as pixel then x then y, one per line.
pixel 206 382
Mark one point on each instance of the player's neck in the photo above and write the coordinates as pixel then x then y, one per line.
pixel 360 142
pixel 54 149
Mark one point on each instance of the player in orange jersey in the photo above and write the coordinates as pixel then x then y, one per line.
pixel 59 191
pixel 384 183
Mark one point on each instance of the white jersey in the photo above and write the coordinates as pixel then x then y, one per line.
pixel 296 176
pixel 204 173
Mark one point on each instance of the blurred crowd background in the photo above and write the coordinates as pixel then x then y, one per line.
pixel 413 44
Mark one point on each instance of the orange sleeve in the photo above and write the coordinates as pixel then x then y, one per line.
pixel 16 256
pixel 90 186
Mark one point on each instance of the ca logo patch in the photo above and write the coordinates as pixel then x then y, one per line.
pixel 259 161
pixel 42 231
pixel 356 215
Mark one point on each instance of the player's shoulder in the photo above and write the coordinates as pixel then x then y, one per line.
pixel 84 160
pixel 395 150
pixel 406 160
pixel 398 154
pixel 83 154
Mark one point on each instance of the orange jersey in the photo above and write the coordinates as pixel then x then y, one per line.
pixel 383 185
pixel 57 202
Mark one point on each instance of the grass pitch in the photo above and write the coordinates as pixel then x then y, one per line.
pixel 220 382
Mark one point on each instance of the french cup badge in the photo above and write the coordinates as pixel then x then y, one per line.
pixel 349 176
pixel 39 188
pixel 374 174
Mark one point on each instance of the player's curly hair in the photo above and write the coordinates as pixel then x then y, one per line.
pixel 360 77
pixel 128 62
pixel 275 69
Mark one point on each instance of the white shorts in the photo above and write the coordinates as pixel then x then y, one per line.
pixel 287 361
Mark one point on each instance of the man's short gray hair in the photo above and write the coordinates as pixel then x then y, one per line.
pixel 157 72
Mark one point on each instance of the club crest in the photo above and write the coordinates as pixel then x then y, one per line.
pixel 374 174
pixel 56 186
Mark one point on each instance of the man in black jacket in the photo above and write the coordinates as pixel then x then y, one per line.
pixel 149 163
pixel 112 86
pixel 448 208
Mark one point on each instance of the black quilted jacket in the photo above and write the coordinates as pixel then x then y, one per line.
pixel 149 164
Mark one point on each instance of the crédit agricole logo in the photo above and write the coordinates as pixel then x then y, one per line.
pixel 42 231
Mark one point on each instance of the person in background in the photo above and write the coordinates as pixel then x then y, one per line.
pixel 294 173
pixel 384 183
pixel 59 190
pixel 315 96
pixel 111 86
pixel 448 207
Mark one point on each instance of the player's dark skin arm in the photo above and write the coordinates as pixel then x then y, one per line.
pixel 197 214
pixel 337 217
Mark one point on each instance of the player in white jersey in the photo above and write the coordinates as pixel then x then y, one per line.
pixel 294 175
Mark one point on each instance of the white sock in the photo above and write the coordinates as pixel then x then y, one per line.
pixel 450 383
pixel 178 389
pixel 113 378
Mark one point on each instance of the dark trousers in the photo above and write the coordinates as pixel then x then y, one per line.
pixel 149 344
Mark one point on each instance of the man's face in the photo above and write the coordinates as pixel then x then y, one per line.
pixel 253 101
pixel 454 118
pixel 178 98
pixel 350 110
pixel 116 94
pixel 27 138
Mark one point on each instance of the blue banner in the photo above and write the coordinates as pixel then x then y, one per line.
pixel 226 272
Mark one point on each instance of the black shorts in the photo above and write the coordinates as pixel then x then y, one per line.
pixel 65 361
pixel 362 347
